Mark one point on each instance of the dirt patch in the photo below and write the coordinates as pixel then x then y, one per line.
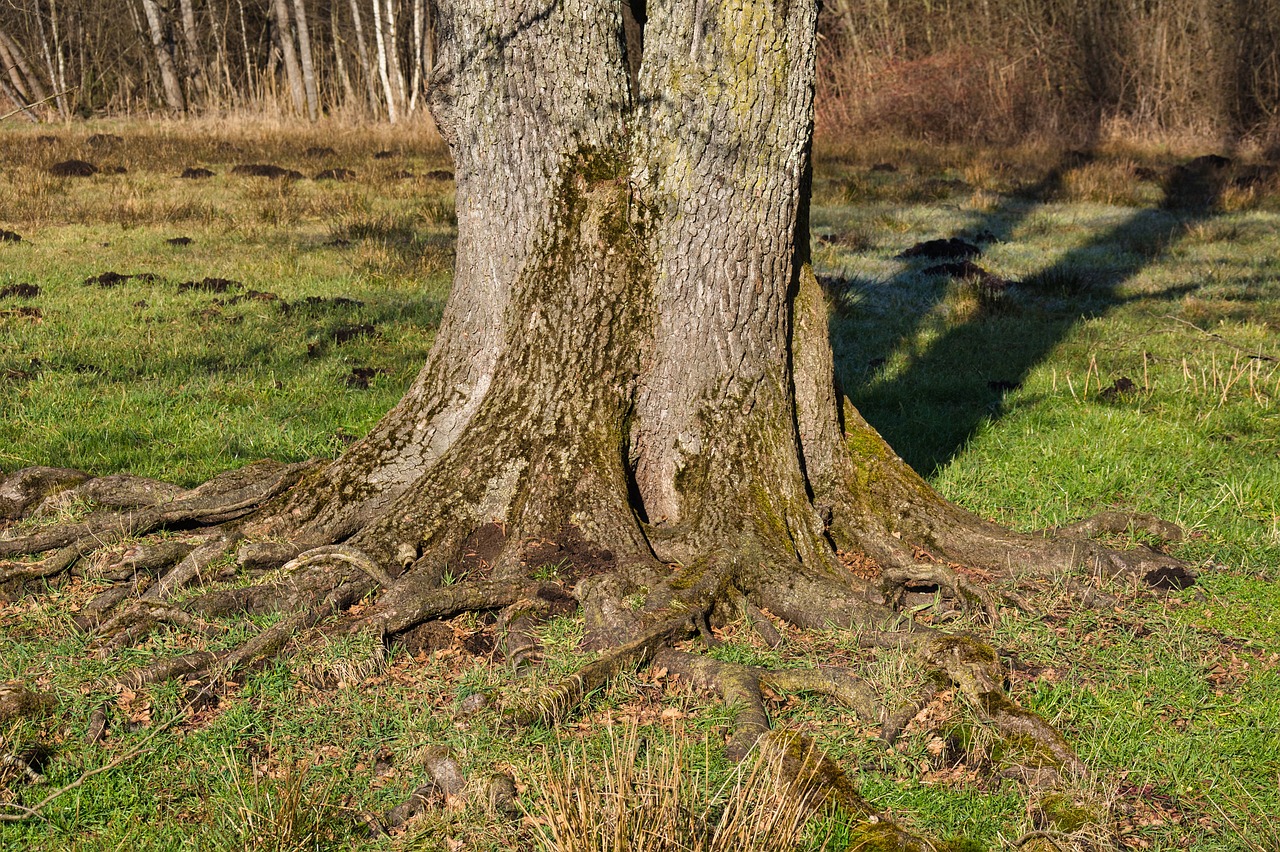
pixel 401 174
pixel 318 151
pixel 426 638
pixel 19 291
pixel 1170 578
pixel 23 313
pixel 46 139
pixel 9 236
pixel 336 174
pixel 950 249
pixel 319 303
pixel 196 173
pixel 887 168
pixel 1122 388
pixel 210 285
pixel 73 168
pixel 384 155
pixel 482 547
pixel 967 270
pixel 179 241
pixel 360 377
pixel 250 296
pixel 102 140
pixel 570 554
pixel 439 174
pixel 107 280
pixel 346 333
pixel 266 170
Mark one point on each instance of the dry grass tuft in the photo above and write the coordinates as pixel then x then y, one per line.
pixel 639 798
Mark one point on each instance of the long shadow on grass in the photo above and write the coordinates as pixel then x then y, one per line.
pixel 955 383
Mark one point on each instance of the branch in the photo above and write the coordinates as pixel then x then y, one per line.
pixel 30 812
pixel 37 103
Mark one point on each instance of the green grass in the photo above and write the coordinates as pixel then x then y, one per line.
pixel 1170 701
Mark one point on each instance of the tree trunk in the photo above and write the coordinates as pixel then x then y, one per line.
pixel 20 70
pixel 293 72
pixel 632 379
pixel 366 66
pixel 308 67
pixel 195 63
pixel 340 64
pixel 384 71
pixel 164 59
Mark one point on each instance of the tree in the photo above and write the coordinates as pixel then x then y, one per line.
pixel 633 370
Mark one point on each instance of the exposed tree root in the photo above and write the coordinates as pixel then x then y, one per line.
pixel 637 613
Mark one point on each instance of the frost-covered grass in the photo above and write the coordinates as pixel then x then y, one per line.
pixel 999 397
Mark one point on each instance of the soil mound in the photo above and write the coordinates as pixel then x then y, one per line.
pixel 336 174
pixel 73 168
pixel 196 173
pixel 19 291
pixel 210 285
pixel 266 170
pixel 951 249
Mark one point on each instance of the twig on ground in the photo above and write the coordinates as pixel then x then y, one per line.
pixel 27 813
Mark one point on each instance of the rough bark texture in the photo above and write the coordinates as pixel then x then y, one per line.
pixel 164 58
pixel 633 368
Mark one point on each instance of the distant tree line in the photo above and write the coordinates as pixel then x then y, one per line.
pixel 65 58
pixel 985 70
pixel 1076 70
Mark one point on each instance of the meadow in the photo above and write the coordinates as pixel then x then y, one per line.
pixel 1108 335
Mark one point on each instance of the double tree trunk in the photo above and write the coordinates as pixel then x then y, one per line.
pixel 292 69
pixel 635 345
pixel 164 57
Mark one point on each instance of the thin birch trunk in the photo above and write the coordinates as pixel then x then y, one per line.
pixel 348 91
pixel 36 89
pixel 366 68
pixel 250 82
pixel 19 101
pixel 48 61
pixel 308 66
pixel 415 64
pixel 164 59
pixel 392 112
pixel 12 72
pixel 393 55
pixel 291 69
pixel 195 63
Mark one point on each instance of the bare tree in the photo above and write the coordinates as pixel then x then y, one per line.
pixel 292 70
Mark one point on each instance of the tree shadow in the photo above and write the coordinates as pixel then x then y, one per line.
pixel 939 378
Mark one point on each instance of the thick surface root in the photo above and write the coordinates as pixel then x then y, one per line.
pixel 639 613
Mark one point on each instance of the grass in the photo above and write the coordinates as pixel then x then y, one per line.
pixel 1000 398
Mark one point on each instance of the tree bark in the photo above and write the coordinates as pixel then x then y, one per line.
pixel 366 66
pixel 172 89
pixel 384 70
pixel 21 69
pixel 293 72
pixel 195 63
pixel 310 89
